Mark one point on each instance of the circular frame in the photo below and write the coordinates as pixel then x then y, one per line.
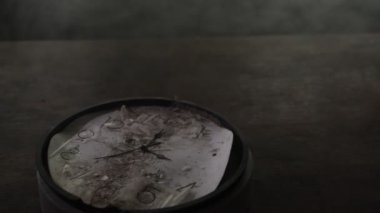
pixel 227 182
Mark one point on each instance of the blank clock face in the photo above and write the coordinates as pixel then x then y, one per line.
pixel 140 157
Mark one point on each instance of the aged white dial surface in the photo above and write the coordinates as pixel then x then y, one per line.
pixel 140 157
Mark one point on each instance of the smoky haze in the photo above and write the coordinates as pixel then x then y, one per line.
pixel 107 19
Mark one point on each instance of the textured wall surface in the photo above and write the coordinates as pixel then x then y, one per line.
pixel 73 19
pixel 309 106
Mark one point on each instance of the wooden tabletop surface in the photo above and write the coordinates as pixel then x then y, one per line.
pixel 309 107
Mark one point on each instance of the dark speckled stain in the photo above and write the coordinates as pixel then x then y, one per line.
pixel 309 106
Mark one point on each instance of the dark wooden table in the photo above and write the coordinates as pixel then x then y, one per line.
pixel 309 106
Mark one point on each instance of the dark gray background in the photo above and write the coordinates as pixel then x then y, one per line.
pixel 308 106
pixel 300 79
pixel 78 19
